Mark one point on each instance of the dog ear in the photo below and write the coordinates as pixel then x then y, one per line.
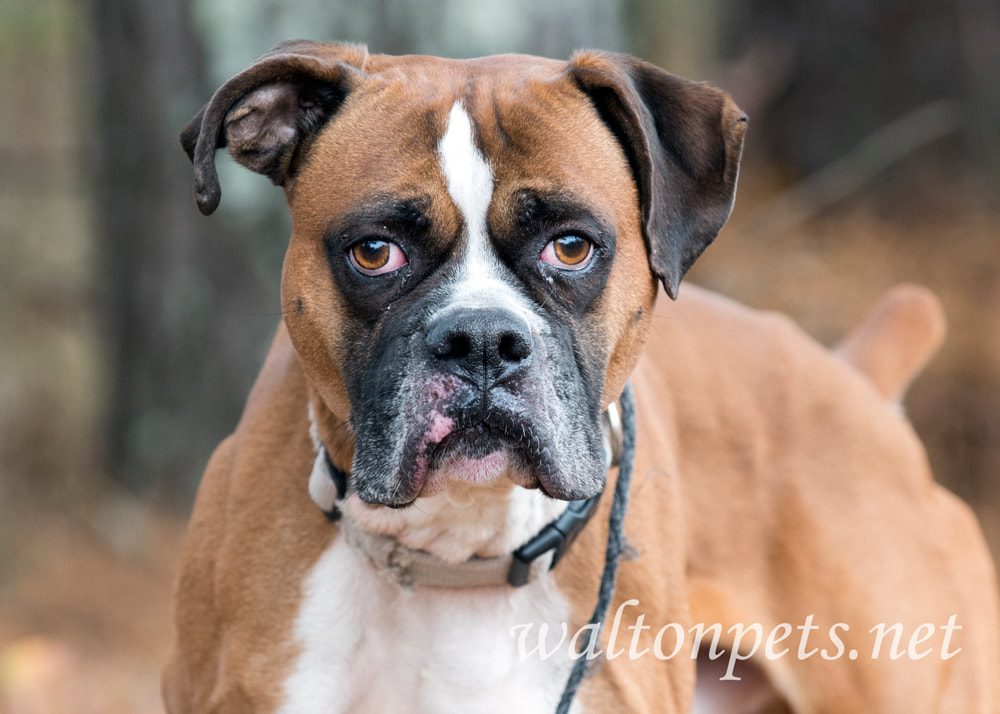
pixel 683 141
pixel 267 113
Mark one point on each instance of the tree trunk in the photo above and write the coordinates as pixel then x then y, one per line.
pixel 175 285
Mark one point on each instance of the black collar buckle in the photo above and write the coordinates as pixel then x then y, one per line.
pixel 557 536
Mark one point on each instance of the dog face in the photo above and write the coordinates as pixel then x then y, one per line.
pixel 475 245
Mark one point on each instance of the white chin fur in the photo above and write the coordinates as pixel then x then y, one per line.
pixel 463 519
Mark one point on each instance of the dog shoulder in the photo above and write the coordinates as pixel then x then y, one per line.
pixel 221 609
pixel 196 613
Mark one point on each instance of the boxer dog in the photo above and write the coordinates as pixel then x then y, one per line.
pixel 470 282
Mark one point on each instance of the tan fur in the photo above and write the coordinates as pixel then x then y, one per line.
pixel 804 493
pixel 771 480
pixel 769 493
pixel 579 154
pixel 253 534
pixel 896 339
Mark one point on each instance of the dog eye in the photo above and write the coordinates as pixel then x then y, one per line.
pixel 568 252
pixel 376 257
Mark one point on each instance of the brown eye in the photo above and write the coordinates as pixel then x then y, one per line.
pixel 371 255
pixel 375 257
pixel 568 252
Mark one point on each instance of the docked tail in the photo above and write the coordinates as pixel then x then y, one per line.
pixel 896 339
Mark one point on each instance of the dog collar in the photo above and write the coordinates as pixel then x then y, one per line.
pixel 411 567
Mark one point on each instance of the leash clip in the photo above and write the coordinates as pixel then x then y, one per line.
pixel 559 535
pixel 556 537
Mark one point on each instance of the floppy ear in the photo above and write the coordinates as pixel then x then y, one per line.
pixel 683 140
pixel 267 113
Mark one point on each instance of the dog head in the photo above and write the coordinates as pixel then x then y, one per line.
pixel 475 244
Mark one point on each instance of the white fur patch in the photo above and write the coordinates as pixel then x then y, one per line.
pixel 482 280
pixel 469 177
pixel 321 486
pixel 464 520
pixel 369 646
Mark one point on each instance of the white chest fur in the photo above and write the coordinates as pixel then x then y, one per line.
pixel 368 645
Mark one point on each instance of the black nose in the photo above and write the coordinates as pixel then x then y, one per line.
pixel 480 343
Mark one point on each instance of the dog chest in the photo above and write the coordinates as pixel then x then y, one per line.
pixel 367 645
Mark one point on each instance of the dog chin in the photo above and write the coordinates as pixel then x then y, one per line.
pixel 482 471
pixel 499 470
pixel 494 469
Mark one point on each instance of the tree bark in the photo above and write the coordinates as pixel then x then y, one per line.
pixel 175 285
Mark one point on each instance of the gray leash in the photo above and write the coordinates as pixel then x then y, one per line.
pixel 616 543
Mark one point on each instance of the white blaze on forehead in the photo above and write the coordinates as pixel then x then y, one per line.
pixel 482 280
pixel 469 178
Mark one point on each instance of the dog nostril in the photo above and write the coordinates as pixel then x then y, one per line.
pixel 452 346
pixel 461 346
pixel 513 347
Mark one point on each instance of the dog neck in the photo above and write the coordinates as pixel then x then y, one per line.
pixel 463 521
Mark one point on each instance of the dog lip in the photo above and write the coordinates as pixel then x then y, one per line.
pixel 464 434
pixel 379 499
pixel 475 430
pixel 572 494
pixel 477 439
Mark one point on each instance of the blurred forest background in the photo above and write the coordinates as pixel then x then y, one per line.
pixel 131 327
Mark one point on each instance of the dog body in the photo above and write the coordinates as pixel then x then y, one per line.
pixel 470 282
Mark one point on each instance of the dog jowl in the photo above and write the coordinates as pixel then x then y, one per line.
pixel 475 245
